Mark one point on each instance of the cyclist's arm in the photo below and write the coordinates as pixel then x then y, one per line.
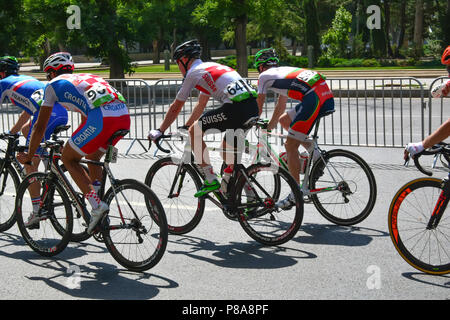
pixel 279 110
pixel 441 133
pixel 171 114
pixel 37 134
pixel 198 109
pixel 23 118
pixel 260 100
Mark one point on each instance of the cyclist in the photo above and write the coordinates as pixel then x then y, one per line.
pixel 306 86
pixel 103 112
pixel 224 84
pixel 443 132
pixel 443 90
pixel 26 93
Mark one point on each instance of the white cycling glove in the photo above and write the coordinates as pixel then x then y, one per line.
pixel 441 90
pixel 154 134
pixel 414 148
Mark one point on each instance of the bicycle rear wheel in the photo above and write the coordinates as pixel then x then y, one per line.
pixel 260 218
pixel 183 211
pixel 135 236
pixel 345 185
pixel 9 182
pixel 52 232
pixel 423 248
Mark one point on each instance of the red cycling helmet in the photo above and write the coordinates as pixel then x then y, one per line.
pixel 446 57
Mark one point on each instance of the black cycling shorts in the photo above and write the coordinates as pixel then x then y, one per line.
pixel 229 115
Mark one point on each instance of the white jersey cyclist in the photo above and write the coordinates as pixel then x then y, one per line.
pixel 102 106
pixel 221 82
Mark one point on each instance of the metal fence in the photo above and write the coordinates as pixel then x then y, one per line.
pixel 377 112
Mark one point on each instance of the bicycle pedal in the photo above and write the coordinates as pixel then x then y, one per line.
pixel 34 226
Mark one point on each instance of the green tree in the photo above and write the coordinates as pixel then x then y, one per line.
pixel 312 26
pixel 337 37
pixel 12 31
pixel 228 14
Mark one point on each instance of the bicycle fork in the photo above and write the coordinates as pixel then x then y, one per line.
pixel 441 205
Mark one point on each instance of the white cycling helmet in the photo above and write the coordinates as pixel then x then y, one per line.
pixel 59 61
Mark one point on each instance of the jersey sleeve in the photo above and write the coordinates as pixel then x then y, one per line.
pixel 186 88
pixel 264 83
pixel 49 96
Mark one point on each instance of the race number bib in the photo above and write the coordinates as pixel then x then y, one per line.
pixel 309 76
pixel 38 96
pixel 99 95
pixel 239 91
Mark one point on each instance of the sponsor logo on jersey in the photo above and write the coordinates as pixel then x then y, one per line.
pixel 17 97
pixel 76 100
pixel 86 134
pixel 214 118
pixel 209 82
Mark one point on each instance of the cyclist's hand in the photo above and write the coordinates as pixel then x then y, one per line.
pixel 154 134
pixel 438 91
pixel 23 158
pixel 413 148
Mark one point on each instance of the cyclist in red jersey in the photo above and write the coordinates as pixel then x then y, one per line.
pixel 103 112
pixel 306 86
pixel 237 98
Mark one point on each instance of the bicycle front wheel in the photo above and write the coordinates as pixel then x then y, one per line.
pixel 343 187
pixel 175 186
pixel 426 249
pixel 256 201
pixel 135 230
pixel 9 182
pixel 51 233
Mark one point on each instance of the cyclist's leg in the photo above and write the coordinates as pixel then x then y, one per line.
pixel 213 121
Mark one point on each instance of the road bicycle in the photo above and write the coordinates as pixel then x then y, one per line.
pixel 339 183
pixel 11 174
pixel 134 231
pixel 417 226
pixel 250 196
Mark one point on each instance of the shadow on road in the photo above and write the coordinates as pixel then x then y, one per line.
pixel 351 236
pixel 93 280
pixel 429 279
pixel 250 255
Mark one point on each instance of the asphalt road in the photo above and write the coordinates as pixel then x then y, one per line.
pixel 218 261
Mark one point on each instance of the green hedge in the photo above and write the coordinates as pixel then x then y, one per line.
pixel 325 62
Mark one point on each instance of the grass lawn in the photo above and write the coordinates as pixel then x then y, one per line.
pixel 159 68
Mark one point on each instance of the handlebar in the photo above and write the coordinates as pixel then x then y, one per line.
pixel 440 148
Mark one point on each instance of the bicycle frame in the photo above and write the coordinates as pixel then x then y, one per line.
pixel 55 169
pixel 264 145
pixel 222 201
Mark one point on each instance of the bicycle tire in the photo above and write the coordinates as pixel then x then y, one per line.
pixel 7 196
pixel 55 236
pixel 184 220
pixel 349 193
pixel 115 233
pixel 79 232
pixel 406 233
pixel 264 225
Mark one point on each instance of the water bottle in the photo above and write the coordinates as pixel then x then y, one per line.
pixel 225 179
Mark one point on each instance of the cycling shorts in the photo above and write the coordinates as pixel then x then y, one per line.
pixel 229 115
pixel 93 134
pixel 313 105
pixel 57 118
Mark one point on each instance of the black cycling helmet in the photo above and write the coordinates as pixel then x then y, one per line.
pixel 190 49
pixel 9 64
pixel 266 57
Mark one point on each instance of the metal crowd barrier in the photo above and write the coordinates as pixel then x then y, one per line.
pixel 376 112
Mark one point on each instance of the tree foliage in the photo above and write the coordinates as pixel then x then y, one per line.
pixel 111 29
